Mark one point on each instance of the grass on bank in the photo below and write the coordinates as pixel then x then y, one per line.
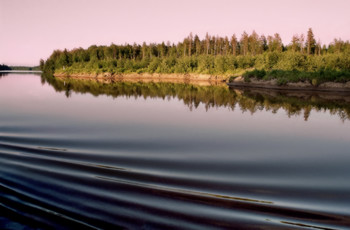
pixel 285 76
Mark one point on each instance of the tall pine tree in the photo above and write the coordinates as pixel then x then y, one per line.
pixel 310 42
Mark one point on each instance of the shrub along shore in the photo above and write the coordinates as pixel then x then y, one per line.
pixel 253 57
pixel 325 80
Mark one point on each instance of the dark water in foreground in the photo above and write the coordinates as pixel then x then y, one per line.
pixel 170 156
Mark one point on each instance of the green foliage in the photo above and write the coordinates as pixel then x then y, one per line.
pixel 271 59
pixel 258 74
pixel 205 64
pixel 212 55
pixel 285 76
pixel 291 61
pixel 245 62
pixel 153 65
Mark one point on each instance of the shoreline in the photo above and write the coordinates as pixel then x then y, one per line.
pixel 198 79
pixel 291 86
pixel 147 76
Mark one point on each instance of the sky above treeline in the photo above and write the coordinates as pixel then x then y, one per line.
pixel 32 29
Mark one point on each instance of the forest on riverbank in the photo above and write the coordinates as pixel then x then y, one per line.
pixel 213 55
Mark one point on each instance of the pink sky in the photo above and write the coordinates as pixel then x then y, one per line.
pixel 32 29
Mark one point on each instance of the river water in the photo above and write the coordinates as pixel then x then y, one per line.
pixel 77 154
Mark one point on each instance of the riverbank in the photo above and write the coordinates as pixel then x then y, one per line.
pixel 199 79
pixel 302 86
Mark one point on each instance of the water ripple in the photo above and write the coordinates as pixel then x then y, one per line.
pixel 127 162
pixel 100 188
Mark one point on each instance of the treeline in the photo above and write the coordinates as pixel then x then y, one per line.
pixel 4 67
pixel 211 55
pixel 25 68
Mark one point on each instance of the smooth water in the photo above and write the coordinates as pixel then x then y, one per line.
pixel 77 154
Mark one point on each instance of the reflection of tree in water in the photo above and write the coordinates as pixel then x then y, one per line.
pixel 3 74
pixel 212 96
pixel 296 104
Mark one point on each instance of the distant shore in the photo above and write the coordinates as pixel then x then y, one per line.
pixel 20 71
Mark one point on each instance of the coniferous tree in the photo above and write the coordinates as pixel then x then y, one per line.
pixel 324 49
pixel 278 42
pixel 213 45
pixel 114 51
pixel 108 52
pixel 144 50
pixel 263 44
pixel 190 40
pixel 185 42
pixel 310 42
pixel 275 43
pixel 318 48
pixel 219 44
pixel 253 43
pixel 226 46
pixel 179 49
pixel 207 43
pixel 234 44
pixel 301 43
pixel 245 43
pixel 270 43
pixel 337 45
pixel 197 44
pixel 295 43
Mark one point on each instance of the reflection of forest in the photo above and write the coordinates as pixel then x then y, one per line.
pixel 2 74
pixel 294 103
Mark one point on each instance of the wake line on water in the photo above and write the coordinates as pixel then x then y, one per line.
pixel 56 170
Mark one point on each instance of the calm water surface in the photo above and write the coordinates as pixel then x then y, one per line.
pixel 79 155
